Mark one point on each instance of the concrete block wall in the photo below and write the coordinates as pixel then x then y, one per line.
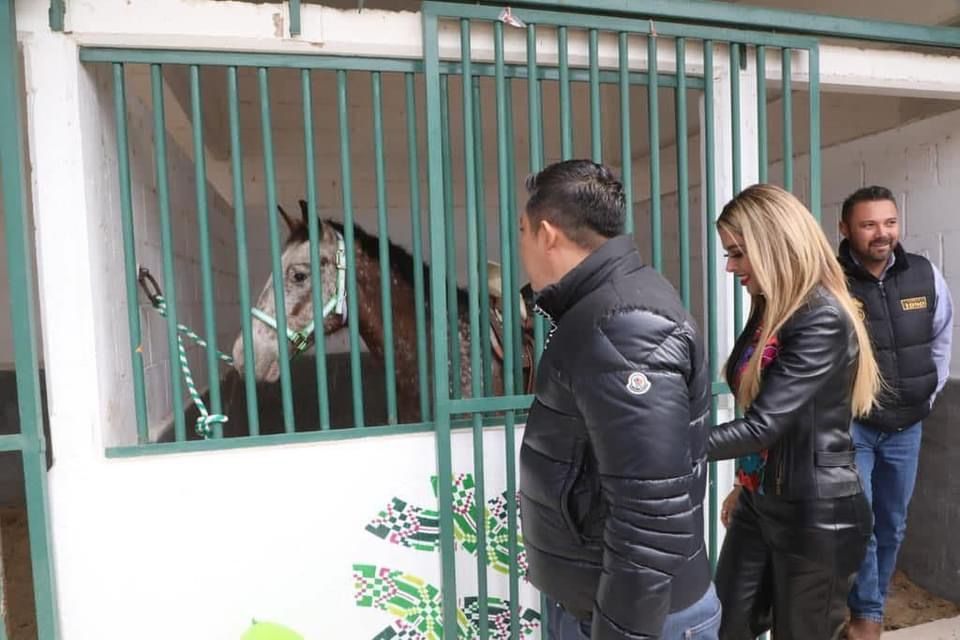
pixel 920 163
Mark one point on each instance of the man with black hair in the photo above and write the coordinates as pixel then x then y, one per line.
pixel 908 312
pixel 613 463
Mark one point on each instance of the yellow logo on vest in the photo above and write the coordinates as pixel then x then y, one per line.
pixel 913 304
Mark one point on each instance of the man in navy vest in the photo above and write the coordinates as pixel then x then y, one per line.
pixel 907 307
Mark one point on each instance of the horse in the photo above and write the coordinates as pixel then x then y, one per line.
pixel 303 325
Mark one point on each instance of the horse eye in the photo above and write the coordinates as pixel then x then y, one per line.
pixel 299 277
pixel 324 261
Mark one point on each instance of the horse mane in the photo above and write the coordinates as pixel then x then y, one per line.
pixel 401 262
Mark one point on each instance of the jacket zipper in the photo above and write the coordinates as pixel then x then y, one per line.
pixel 553 325
pixel 886 313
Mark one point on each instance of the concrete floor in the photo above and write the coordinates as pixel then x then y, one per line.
pixel 947 629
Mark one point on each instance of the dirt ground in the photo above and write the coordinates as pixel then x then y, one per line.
pixel 16 577
pixel 907 604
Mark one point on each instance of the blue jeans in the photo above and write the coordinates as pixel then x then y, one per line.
pixel 699 621
pixel 887 464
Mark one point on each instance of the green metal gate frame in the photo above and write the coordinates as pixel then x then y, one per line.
pixel 627 22
pixel 30 441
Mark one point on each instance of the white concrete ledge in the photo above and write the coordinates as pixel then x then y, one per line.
pixel 946 629
pixel 265 27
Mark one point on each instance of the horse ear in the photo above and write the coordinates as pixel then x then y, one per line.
pixel 292 224
pixel 305 214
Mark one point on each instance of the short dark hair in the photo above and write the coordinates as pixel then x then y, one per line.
pixel 582 198
pixel 866 194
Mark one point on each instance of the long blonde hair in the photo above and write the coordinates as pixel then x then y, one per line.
pixel 790 257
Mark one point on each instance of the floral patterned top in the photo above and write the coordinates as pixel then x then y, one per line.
pixel 749 468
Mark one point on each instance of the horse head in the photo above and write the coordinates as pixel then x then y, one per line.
pixel 302 324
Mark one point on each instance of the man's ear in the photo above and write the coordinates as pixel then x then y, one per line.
pixel 549 235
pixel 844 229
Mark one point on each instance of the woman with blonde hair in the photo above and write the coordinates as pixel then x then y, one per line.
pixel 798 523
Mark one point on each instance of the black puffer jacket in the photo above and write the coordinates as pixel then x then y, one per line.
pixel 802 411
pixel 613 462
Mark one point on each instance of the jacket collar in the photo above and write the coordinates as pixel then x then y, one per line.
pixel 855 268
pixel 618 254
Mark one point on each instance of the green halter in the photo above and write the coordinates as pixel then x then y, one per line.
pixel 338 302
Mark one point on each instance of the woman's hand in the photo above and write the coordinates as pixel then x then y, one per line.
pixel 728 504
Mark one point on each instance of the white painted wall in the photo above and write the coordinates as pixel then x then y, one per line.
pixel 205 543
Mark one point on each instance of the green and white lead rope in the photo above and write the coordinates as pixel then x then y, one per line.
pixel 206 420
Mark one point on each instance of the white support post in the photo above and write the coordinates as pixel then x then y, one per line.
pixel 66 243
pixel 723 181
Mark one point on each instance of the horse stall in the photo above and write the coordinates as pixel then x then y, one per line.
pixel 287 344
pixel 202 159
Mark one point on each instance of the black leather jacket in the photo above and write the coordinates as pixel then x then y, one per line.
pixel 802 412
pixel 612 467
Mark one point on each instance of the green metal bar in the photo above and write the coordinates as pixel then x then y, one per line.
pixel 506 224
pixel 814 88
pixel 417 241
pixel 495 403
pixel 240 232
pixel 129 254
pixel 737 16
pixel 449 234
pixel 513 542
pixel 294 17
pixel 346 186
pixel 431 57
pixel 712 343
pixel 511 284
pixel 719 388
pixel 13 442
pixel 17 238
pixel 166 242
pixel 626 150
pixel 270 186
pixel 504 152
pixel 534 121
pixel 566 129
pixel 386 306
pixel 333 435
pixel 56 15
pixel 787 98
pixel 473 277
pixel 735 116
pixel 596 141
pixel 535 130
pixel 544 72
pixel 203 237
pixel 653 110
pixel 762 112
pixel 591 19
pixel 384 65
pixel 313 230
pixel 737 166
pixel 247 59
pixel 683 195
pixel 485 348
